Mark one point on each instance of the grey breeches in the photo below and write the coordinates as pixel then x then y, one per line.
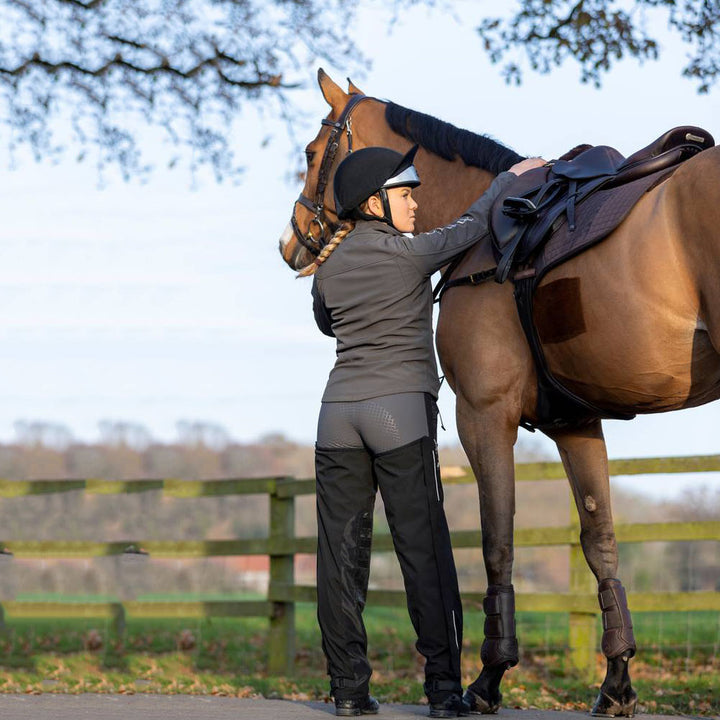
pixel 378 424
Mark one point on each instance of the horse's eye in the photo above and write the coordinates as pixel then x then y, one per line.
pixel 309 154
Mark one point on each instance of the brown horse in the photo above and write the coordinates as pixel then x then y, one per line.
pixel 647 339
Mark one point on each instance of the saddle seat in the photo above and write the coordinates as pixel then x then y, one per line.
pixel 667 150
pixel 539 201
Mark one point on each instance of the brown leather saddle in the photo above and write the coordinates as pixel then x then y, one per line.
pixel 534 207
pixel 552 213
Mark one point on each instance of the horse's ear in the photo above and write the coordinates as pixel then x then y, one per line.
pixel 354 89
pixel 333 93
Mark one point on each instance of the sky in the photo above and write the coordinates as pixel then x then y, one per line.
pixel 167 301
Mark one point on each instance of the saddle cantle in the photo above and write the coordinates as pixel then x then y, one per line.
pixel 552 213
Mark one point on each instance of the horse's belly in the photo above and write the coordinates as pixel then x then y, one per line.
pixel 619 381
pixel 615 383
pixel 619 324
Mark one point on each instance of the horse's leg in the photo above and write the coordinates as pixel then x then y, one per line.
pixel 584 457
pixel 488 364
pixel 488 434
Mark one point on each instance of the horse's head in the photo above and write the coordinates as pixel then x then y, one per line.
pixel 313 220
pixel 456 165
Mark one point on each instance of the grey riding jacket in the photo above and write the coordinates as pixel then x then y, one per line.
pixel 374 295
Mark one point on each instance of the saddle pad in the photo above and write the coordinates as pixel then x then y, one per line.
pixel 597 217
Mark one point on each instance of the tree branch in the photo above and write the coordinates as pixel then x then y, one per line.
pixel 163 68
pixel 596 33
pixel 89 5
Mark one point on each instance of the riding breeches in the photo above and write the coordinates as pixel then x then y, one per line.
pixel 397 454
pixel 378 424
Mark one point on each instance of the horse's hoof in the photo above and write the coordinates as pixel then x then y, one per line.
pixel 605 706
pixel 480 706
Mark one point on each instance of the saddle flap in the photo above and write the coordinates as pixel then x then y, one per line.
pixel 504 227
pixel 594 162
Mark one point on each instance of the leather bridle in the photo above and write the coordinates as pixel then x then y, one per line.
pixel 308 240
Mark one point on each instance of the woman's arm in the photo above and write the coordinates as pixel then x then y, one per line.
pixel 322 316
pixel 431 250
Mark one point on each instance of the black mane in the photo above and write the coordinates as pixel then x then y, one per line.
pixel 450 142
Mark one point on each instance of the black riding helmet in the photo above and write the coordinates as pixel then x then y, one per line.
pixel 368 171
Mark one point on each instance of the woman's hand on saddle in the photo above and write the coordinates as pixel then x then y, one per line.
pixel 527 164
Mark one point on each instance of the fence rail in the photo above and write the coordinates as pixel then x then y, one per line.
pixel 281 546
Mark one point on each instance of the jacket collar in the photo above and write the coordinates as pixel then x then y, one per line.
pixel 376 226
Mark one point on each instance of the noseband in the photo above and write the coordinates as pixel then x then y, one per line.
pixel 308 240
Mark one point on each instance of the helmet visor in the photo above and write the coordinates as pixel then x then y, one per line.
pixel 405 178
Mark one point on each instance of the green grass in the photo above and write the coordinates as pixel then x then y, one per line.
pixel 677 669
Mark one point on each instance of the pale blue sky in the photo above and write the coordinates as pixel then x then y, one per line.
pixel 157 303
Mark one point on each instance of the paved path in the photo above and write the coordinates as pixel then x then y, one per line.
pixel 51 706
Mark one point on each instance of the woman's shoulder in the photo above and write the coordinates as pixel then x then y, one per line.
pixel 367 245
pixel 375 227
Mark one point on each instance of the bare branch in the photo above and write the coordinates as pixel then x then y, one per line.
pixel 164 67
pixel 89 5
pixel 102 69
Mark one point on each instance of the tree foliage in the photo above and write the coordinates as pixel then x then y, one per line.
pixel 598 33
pixel 93 73
pixel 186 66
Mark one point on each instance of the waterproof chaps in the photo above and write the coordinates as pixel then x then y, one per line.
pixel 409 482
pixel 345 502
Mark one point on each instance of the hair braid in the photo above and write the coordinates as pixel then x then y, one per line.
pixel 340 234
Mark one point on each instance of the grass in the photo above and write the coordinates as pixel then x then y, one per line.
pixel 677 669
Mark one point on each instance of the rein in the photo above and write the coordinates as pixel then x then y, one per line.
pixel 308 240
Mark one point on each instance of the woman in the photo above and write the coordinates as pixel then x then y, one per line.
pixel 377 426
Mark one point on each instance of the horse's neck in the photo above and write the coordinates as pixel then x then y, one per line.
pixel 448 188
pixel 447 191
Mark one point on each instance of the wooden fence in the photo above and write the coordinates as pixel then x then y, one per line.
pixel 282 545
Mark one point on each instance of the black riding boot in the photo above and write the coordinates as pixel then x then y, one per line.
pixel 345 501
pixel 409 482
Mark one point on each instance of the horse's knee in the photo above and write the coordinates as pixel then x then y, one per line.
pixel 600 549
pixel 601 539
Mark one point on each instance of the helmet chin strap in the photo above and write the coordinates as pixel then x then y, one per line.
pixel 386 207
pixel 387 213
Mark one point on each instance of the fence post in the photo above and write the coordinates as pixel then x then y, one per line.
pixel 583 633
pixel 281 641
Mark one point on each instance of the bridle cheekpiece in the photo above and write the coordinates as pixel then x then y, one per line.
pixel 320 219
